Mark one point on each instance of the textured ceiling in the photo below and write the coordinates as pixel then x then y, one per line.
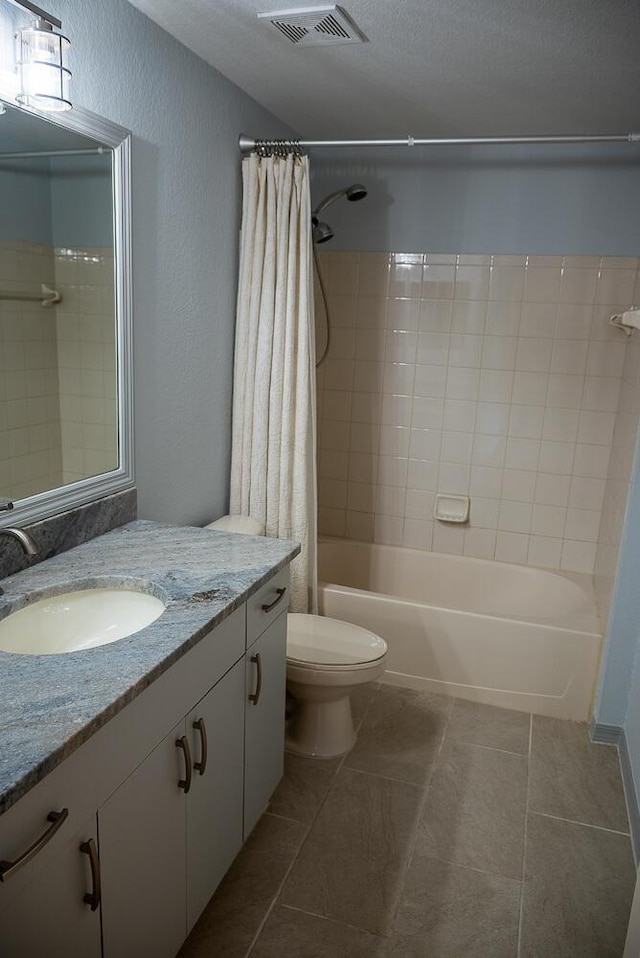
pixel 431 67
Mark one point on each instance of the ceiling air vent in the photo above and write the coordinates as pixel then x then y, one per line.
pixel 312 26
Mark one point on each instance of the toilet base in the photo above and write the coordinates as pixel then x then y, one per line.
pixel 321 727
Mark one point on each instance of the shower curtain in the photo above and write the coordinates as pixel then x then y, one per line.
pixel 273 461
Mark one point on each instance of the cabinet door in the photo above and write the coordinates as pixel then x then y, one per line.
pixel 264 720
pixel 214 804
pixel 142 852
pixel 49 917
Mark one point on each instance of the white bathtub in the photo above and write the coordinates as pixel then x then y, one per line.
pixel 496 633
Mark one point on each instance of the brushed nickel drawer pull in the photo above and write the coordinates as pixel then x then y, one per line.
pixel 57 819
pixel 271 605
pixel 202 764
pixel 255 696
pixel 93 897
pixel 185 783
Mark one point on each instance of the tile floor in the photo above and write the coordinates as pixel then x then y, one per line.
pixel 451 829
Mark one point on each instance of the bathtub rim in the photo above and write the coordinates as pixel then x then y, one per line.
pixel 590 623
pixel 387 596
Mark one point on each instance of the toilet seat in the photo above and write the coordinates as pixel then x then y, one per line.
pixel 316 642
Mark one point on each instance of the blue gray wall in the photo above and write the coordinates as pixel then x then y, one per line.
pixel 185 119
pixel 571 200
pixel 632 737
pixel 619 678
pixel 618 698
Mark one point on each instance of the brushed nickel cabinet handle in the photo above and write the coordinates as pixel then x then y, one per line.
pixel 271 605
pixel 255 696
pixel 92 898
pixel 57 819
pixel 202 764
pixel 185 783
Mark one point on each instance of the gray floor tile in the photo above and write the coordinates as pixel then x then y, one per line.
pixel 351 865
pixel 303 787
pixel 298 935
pixel 230 921
pixel 447 911
pixel 401 734
pixel 475 809
pixel 577 893
pixel 485 725
pixel 571 778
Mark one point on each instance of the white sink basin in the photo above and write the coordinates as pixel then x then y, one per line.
pixel 76 621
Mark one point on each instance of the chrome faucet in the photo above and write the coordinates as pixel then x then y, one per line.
pixel 29 545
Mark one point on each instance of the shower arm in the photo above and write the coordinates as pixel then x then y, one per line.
pixel 327 201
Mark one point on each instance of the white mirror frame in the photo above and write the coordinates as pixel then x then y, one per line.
pixel 54 501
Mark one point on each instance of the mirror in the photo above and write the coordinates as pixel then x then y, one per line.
pixel 65 353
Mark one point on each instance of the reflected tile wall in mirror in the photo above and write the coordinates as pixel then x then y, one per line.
pixel 58 384
pixel 58 410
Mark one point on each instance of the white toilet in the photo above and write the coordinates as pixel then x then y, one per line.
pixel 326 660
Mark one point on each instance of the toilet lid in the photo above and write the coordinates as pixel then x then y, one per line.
pixel 317 640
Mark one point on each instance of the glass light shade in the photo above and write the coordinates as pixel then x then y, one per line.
pixel 44 77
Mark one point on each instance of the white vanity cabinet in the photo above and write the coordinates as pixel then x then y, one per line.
pixel 167 790
pixel 169 833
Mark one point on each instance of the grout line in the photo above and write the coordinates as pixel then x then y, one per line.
pixel 574 821
pixel 524 841
pixel 284 818
pixel 389 778
pixel 490 748
pixel 473 868
pixel 334 921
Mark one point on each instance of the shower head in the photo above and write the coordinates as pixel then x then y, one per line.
pixel 356 192
pixel 321 231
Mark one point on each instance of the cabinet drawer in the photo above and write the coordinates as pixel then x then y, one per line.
pixel 265 605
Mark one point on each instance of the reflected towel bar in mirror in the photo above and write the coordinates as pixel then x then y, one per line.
pixel 46 296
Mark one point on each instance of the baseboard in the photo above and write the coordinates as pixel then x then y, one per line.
pixel 605 734
pixel 633 808
pixel 614 735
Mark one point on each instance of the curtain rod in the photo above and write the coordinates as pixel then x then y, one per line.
pixel 247 144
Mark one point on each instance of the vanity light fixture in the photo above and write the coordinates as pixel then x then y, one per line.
pixel 41 57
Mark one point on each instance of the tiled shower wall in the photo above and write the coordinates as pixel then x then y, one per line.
pixel 496 377
pixel 57 368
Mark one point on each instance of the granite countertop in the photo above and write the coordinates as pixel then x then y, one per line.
pixel 51 704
